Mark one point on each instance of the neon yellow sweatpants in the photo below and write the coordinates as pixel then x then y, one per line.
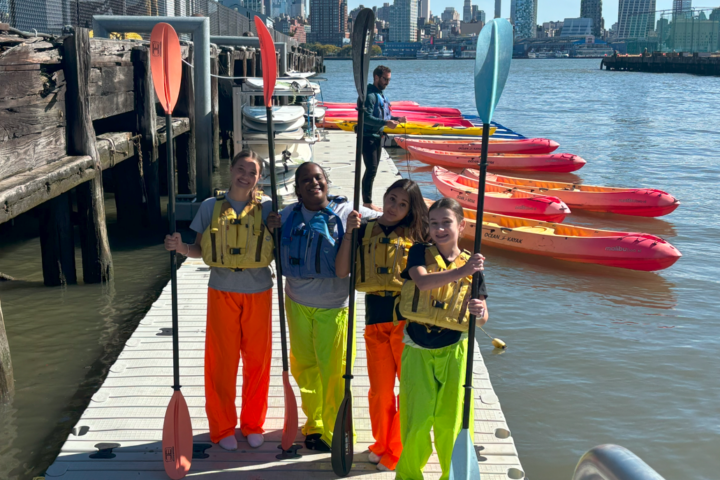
pixel 318 339
pixel 431 396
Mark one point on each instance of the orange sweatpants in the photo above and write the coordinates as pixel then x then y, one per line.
pixel 384 343
pixel 237 324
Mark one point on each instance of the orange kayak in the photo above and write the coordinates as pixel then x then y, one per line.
pixel 641 202
pixel 516 146
pixel 553 162
pixel 634 251
pixel 505 201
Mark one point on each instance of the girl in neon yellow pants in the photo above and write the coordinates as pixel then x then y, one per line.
pixel 316 300
pixel 434 359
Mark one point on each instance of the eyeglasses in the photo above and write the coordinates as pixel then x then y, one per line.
pixel 387 79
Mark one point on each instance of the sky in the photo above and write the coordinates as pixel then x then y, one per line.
pixel 548 10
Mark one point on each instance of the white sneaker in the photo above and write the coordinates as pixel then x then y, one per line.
pixel 373 458
pixel 229 443
pixel 255 439
pixel 382 467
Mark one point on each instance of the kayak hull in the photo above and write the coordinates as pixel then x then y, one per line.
pixel 416 129
pixel 525 146
pixel 497 199
pixel 641 202
pixel 633 251
pixel 555 162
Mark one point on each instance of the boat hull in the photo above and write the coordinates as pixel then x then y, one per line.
pixel 525 146
pixel 499 200
pixel 556 162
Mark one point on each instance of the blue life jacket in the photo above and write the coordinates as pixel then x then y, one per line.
pixel 307 253
pixel 382 108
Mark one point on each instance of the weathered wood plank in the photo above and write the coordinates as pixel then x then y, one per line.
pixel 31 151
pixel 105 106
pixel 7 381
pixel 35 53
pixel 21 121
pixel 96 257
pixel 111 79
pixel 57 244
pixel 22 83
pixel 53 91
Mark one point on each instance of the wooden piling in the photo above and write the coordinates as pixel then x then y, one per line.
pixel 225 91
pixel 185 144
pixel 7 382
pixel 147 127
pixel 57 244
pixel 128 187
pixel 96 257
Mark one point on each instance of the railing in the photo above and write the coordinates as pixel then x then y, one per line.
pixel 613 462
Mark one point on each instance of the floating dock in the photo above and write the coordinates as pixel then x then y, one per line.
pixel 659 62
pixel 119 435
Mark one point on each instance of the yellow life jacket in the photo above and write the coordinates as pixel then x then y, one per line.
pixel 380 260
pixel 445 307
pixel 237 241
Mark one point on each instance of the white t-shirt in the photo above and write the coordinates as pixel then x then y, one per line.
pixel 322 292
pixel 251 280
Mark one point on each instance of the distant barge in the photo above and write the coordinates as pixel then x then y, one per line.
pixel 659 62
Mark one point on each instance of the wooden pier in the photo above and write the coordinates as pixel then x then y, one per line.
pixel 119 434
pixel 80 118
pixel 659 62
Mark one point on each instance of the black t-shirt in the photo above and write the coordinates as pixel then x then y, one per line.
pixel 428 336
pixel 378 309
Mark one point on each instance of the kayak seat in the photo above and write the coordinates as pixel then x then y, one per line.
pixel 536 229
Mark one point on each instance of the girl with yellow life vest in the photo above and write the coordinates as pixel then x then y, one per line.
pixel 383 246
pixel 316 299
pixel 435 300
pixel 234 237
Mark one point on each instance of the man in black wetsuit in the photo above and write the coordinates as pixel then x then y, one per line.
pixel 377 117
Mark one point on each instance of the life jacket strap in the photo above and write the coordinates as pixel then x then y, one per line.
pixel 383 270
pixel 438 304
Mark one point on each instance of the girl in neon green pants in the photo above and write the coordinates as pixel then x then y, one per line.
pixel 434 358
pixel 316 299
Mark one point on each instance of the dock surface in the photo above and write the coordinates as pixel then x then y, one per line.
pixel 119 435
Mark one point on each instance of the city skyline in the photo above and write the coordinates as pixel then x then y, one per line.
pixel 548 10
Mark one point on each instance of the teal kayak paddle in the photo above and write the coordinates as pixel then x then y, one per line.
pixel 492 65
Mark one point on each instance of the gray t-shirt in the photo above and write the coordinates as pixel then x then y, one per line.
pixel 322 292
pixel 251 280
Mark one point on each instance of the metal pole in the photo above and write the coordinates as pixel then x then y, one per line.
pixel 251 42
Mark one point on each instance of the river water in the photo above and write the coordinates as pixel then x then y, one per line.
pixel 595 354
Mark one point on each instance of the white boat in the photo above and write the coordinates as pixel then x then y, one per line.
pixel 289 85
pixel 532 55
pixel 445 53
pixel 593 51
pixel 421 55
pixel 542 55
pixel 294 74
pixel 285 166
pixel 278 127
pixel 281 114
pixel 468 54
pixel 433 55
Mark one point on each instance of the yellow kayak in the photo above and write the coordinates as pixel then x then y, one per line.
pixel 418 129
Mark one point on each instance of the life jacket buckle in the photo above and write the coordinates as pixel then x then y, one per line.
pixel 235 251
pixel 438 304
pixel 383 270
pixel 384 240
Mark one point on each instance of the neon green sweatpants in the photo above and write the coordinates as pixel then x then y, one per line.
pixel 318 339
pixel 431 396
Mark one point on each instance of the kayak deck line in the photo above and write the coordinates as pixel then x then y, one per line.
pixel 119 434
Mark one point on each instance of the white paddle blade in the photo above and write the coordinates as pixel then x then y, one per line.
pixel 464 464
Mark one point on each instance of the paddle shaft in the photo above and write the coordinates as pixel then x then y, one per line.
pixel 276 236
pixel 478 278
pixel 353 248
pixel 173 256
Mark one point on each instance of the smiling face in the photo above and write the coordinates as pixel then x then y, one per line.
pixel 245 174
pixel 444 227
pixel 311 186
pixel 396 205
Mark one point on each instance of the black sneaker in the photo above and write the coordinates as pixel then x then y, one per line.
pixel 313 442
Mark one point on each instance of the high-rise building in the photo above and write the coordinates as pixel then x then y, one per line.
pixel 449 15
pixel 255 5
pixel 424 10
pixel 592 9
pixel 636 18
pixel 577 27
pixel 403 21
pixel 682 8
pixel 523 14
pixel 477 14
pixel 467 12
pixel 498 7
pixel 297 9
pixel 383 13
pixel 328 21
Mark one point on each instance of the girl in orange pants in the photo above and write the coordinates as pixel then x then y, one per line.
pixel 233 237
pixel 381 257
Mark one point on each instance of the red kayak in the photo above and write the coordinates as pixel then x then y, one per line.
pixel 641 202
pixel 499 200
pixel 554 162
pixel 525 146
pixel 398 103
